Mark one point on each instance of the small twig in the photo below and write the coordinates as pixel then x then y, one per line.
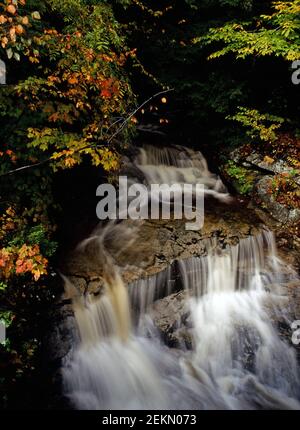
pixel 29 166
pixel 114 123
pixel 136 110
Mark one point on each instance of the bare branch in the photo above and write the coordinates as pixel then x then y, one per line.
pixel 136 110
pixel 29 166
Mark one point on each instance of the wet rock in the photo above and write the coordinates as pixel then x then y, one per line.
pixel 172 318
pixel 288 305
pixel 158 243
pixel 60 339
pixel 95 286
pixel 79 283
pixel 291 290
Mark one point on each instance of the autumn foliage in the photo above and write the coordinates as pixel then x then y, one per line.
pixel 66 98
pixel 26 259
pixel 16 24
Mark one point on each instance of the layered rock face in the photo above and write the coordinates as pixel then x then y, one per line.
pixel 157 243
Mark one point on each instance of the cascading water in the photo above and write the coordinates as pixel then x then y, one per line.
pixel 237 360
pixel 179 165
pixel 235 343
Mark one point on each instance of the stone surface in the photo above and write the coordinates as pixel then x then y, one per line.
pixel 171 317
pixel 158 243
pixel 62 332
pixel 260 162
pixel 280 212
pixel 265 168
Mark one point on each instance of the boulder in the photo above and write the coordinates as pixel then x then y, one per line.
pixel 282 213
pixel 172 319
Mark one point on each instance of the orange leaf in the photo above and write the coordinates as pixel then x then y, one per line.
pixel 11 9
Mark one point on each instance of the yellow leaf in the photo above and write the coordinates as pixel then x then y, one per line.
pixel 268 160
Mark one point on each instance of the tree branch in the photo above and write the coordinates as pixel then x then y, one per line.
pixel 126 120
pixel 29 166
pixel 136 110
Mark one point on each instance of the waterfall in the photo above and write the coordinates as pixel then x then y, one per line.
pixel 144 292
pixel 250 265
pixel 238 359
pixel 235 342
pixel 179 165
pixel 109 316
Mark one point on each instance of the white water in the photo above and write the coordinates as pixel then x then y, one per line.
pixel 235 342
pixel 179 165
pixel 238 360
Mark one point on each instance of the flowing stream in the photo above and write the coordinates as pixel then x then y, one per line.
pixel 237 360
